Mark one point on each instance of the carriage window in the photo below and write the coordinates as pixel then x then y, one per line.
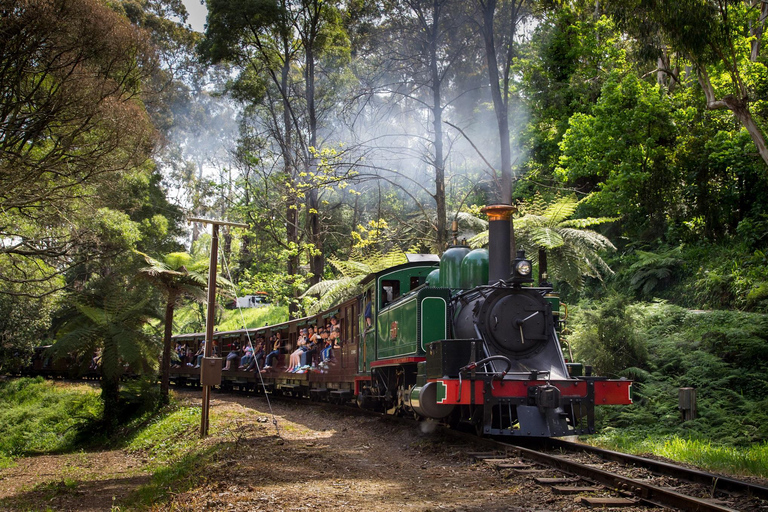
pixel 390 290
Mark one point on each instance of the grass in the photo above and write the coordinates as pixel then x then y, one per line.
pixel 176 454
pixel 253 317
pixel 189 318
pixel 168 435
pixel 38 416
pixel 748 460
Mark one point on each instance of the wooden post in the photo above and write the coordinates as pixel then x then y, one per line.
pixel 211 317
pixel 687 403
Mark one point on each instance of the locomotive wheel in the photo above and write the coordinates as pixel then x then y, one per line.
pixel 476 420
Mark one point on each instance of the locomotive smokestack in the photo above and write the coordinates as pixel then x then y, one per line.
pixel 498 241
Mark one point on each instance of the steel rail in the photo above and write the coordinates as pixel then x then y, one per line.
pixel 715 482
pixel 649 494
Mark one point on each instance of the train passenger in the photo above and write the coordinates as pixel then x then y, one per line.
pixel 277 346
pixel 199 355
pixel 259 356
pixel 247 358
pixel 333 342
pixel 234 353
pixel 294 361
pixel 310 350
pixel 95 360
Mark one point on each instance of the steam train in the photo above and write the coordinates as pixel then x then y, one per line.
pixel 464 339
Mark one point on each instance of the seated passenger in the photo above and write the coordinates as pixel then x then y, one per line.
pixel 294 362
pixel 246 360
pixel 199 355
pixel 332 343
pixel 277 347
pixel 257 357
pixel 234 353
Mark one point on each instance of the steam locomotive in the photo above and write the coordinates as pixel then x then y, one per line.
pixel 464 339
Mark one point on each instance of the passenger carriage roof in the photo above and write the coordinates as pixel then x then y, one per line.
pixel 429 260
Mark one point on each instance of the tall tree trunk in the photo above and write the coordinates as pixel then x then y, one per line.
pixel 501 103
pixel 757 32
pixel 165 368
pixel 740 109
pixel 317 260
pixel 500 107
pixel 437 124
pixel 291 212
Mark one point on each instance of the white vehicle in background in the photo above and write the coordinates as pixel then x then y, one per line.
pixel 257 300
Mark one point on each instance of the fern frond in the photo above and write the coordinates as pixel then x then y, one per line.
pixel 560 210
pixel 587 222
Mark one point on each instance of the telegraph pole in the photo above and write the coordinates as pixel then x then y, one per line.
pixel 210 319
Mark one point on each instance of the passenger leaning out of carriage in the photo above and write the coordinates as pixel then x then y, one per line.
pixel 277 346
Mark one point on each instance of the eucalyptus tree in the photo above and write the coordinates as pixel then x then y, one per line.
pixel 499 21
pixel 723 46
pixel 287 54
pixel 421 48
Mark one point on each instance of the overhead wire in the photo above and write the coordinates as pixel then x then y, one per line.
pixel 253 349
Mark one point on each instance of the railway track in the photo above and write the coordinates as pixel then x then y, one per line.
pixel 602 478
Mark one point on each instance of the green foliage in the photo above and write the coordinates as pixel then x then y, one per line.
pixel 168 436
pixel 730 277
pixel 252 318
pixel 723 354
pixel 605 336
pixel 653 271
pixel 572 251
pixel 622 151
pixel 37 416
pixel 352 272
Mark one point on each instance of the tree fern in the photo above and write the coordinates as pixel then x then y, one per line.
pixel 573 251
pixel 333 291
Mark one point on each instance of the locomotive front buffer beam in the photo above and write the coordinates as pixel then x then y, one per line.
pixel 531 408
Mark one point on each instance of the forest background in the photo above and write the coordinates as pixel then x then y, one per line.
pixel 630 134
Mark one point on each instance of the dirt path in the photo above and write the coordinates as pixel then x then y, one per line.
pixel 322 460
pixel 85 481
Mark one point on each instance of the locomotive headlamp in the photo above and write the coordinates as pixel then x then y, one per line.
pixel 521 269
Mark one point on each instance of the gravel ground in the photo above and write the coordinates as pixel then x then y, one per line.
pixel 320 459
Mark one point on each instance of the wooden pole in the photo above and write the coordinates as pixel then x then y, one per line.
pixel 211 317
pixel 210 320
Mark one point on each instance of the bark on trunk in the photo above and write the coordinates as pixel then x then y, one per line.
pixel 757 33
pixel 165 372
pixel 437 124
pixel 740 109
pixel 317 261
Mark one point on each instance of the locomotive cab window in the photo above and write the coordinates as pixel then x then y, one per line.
pixel 390 290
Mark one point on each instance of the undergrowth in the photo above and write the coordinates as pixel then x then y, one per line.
pixel 39 416
pixel 722 354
